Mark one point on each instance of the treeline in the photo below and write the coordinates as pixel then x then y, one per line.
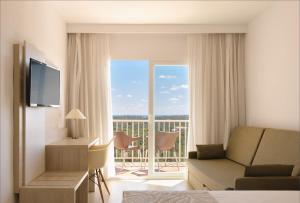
pixel 144 117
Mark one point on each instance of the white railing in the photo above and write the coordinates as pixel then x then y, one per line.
pixel 139 128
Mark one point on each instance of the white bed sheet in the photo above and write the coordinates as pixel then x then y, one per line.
pixel 194 196
pixel 256 196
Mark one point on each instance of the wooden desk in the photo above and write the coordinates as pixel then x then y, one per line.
pixel 70 155
pixel 50 187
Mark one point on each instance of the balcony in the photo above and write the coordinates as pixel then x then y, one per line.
pixel 135 163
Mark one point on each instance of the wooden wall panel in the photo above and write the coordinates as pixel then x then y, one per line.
pixel 29 123
pixel 34 140
pixel 18 112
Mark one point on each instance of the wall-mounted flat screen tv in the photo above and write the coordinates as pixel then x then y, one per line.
pixel 43 85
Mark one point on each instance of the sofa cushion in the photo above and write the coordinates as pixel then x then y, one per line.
pixel 268 183
pixel 243 143
pixel 268 170
pixel 279 147
pixel 192 155
pixel 217 174
pixel 210 151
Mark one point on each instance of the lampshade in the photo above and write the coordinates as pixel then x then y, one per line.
pixel 75 114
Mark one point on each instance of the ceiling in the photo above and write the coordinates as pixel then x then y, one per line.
pixel 160 12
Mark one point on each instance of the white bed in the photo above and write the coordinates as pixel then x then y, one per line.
pixel 211 196
pixel 256 196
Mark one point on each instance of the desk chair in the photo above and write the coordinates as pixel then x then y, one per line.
pixel 97 156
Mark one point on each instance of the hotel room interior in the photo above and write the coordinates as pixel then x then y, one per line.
pixel 149 101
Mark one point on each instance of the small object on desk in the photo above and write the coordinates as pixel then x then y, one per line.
pixel 75 114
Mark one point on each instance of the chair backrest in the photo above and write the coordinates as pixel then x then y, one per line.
pixel 122 141
pixel 97 155
pixel 165 140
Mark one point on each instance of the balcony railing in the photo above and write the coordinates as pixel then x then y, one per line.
pixel 139 128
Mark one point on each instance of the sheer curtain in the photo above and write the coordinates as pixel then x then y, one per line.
pixel 88 88
pixel 217 95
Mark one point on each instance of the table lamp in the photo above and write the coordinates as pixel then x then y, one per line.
pixel 75 114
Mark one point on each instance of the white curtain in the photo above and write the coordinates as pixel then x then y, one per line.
pixel 217 95
pixel 88 88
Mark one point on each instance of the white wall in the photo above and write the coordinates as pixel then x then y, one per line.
pixel 155 47
pixel 39 25
pixel 272 67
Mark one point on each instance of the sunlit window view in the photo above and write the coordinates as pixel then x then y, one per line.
pixel 130 86
pixel 130 104
pixel 171 92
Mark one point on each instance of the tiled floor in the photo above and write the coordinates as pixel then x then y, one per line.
pixel 118 186
pixel 136 170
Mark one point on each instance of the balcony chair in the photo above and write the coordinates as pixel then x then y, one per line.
pixel 123 142
pixel 97 157
pixel 165 142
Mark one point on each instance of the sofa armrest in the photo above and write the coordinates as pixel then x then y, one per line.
pixel 268 183
pixel 193 155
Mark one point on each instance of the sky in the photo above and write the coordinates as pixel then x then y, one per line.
pixel 130 88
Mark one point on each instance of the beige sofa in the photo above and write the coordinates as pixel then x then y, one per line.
pixel 249 146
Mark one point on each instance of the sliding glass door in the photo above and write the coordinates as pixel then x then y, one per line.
pixel 170 121
pixel 150 105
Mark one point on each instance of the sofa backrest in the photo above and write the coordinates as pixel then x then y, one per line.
pixel 243 143
pixel 279 147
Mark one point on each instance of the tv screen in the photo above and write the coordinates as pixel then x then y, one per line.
pixel 44 84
